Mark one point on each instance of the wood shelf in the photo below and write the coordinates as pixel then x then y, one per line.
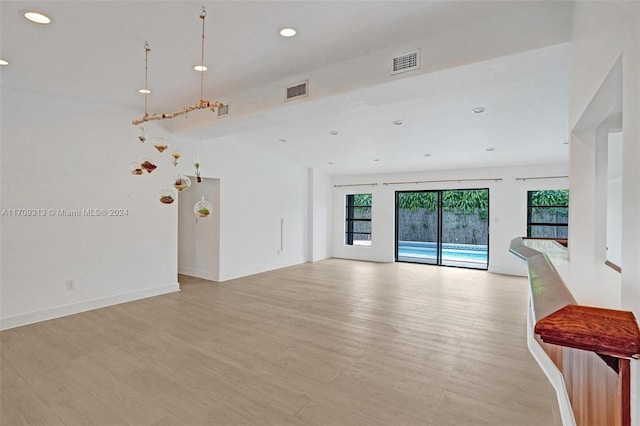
pixel 604 331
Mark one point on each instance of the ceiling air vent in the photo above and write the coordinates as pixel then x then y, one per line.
pixel 297 91
pixel 223 111
pixel 407 62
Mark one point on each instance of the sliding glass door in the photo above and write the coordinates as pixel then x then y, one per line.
pixel 447 227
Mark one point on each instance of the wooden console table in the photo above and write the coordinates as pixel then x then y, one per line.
pixel 590 346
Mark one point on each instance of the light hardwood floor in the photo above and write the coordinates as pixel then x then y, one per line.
pixel 335 342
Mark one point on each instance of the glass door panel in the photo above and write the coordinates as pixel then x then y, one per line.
pixel 465 228
pixel 417 227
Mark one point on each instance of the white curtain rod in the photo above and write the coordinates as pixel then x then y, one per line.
pixel 541 177
pixel 356 184
pixel 443 180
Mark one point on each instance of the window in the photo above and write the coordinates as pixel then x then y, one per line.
pixel 548 214
pixel 358 220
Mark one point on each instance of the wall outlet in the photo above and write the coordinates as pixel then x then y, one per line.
pixel 71 285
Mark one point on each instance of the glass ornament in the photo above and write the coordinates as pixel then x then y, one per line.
pixel 202 208
pixel 181 182
pixel 136 169
pixel 167 196
pixel 160 143
pixel 142 134
pixel 148 165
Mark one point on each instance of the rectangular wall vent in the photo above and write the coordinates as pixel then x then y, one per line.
pixel 223 111
pixel 407 62
pixel 297 91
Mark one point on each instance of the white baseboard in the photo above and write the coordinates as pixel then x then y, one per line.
pixel 245 272
pixel 319 258
pixel 198 274
pixel 87 305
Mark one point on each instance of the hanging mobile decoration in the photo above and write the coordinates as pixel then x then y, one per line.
pixel 202 208
pixel 181 182
pixel 196 164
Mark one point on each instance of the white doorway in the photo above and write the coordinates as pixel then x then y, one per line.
pixel 199 238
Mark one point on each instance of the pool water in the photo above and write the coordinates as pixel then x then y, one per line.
pixel 450 252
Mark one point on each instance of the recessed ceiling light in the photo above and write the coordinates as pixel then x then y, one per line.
pixel 36 17
pixel 490 149
pixel 330 163
pixel 565 143
pixel 333 132
pixel 200 68
pixel 282 140
pixel 3 62
pixel 398 122
pixel 427 155
pixel 287 32
pixel 144 91
pixel 479 110
pixel 376 159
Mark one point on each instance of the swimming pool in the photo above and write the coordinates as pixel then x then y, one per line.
pixel 450 252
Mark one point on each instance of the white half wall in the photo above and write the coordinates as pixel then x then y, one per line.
pixel 92 225
pixel 507 208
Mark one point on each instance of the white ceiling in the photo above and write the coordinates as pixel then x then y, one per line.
pixel 94 50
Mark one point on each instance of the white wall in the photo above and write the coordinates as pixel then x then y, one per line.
pixel 507 208
pixel 68 154
pixel 320 215
pixel 258 190
pixel 199 238
pixel 614 198
pixel 603 33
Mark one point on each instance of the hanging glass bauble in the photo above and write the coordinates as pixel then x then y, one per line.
pixel 181 183
pixel 160 143
pixel 142 134
pixel 148 165
pixel 136 169
pixel 167 196
pixel 202 208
